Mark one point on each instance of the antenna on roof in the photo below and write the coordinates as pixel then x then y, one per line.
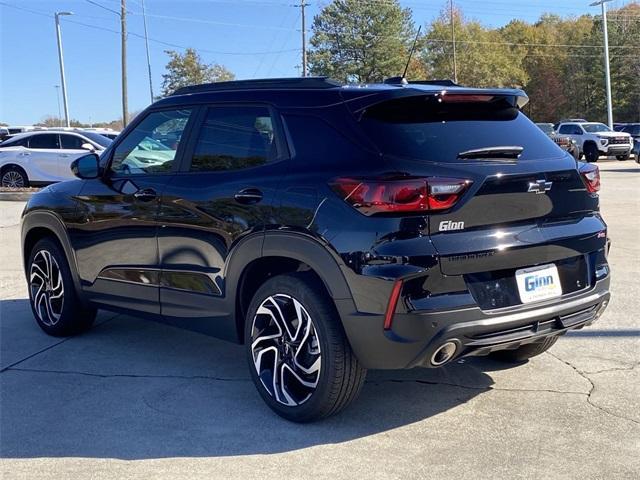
pixel 413 47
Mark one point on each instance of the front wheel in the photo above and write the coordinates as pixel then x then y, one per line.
pixel 54 301
pixel 299 356
pixel 591 152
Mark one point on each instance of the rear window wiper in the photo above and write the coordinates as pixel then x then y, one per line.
pixel 492 153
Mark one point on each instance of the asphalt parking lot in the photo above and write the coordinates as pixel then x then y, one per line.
pixel 136 399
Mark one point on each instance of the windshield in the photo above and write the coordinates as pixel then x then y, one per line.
pixel 423 128
pixel 97 138
pixel 546 127
pixel 595 127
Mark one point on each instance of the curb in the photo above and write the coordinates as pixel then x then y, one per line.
pixel 15 196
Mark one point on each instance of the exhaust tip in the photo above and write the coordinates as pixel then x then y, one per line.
pixel 444 353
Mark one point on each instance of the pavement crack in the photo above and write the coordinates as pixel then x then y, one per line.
pixel 479 388
pixel 129 375
pixel 593 387
pixel 614 369
pixel 49 347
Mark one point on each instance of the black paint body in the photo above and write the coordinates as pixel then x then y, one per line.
pixel 192 254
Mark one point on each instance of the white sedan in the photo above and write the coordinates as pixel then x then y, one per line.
pixel 42 157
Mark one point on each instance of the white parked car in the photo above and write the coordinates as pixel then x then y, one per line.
pixel 595 139
pixel 42 157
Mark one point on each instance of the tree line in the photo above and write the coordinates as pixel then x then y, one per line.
pixel 558 61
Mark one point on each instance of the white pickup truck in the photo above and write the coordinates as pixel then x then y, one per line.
pixel 595 139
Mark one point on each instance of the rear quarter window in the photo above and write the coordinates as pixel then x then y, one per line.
pixel 423 128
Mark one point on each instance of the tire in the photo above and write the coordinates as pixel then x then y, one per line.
pixel 591 152
pixel 524 352
pixel 52 295
pixel 317 353
pixel 14 177
pixel 623 157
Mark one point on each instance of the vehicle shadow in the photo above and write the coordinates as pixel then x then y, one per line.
pixel 133 389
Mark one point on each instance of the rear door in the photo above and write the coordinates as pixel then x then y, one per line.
pixel 223 193
pixel 517 212
pixel 42 154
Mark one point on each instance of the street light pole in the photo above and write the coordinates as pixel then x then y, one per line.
pixel 146 42
pixel 606 59
pixel 58 98
pixel 61 59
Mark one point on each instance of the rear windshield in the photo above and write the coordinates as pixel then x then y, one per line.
pixel 424 128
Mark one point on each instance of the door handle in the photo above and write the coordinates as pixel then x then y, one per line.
pixel 64 155
pixel 145 195
pixel 248 196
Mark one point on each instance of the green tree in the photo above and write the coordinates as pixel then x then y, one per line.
pixel 483 60
pixel 189 69
pixel 357 41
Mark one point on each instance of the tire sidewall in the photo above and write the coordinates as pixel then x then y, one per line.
pixel 20 171
pixel 317 307
pixel 73 316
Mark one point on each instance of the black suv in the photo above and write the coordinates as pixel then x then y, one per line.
pixel 330 229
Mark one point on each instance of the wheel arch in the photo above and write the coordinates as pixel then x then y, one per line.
pixel 40 224
pixel 281 252
pixel 15 165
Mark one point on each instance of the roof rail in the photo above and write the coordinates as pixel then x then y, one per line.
pixel 262 84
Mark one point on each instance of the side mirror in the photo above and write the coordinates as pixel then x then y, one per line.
pixel 88 146
pixel 86 167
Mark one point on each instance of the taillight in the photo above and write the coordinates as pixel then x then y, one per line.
pixel 591 177
pixel 400 195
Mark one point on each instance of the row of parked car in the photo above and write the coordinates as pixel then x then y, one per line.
pixel 34 156
pixel 592 140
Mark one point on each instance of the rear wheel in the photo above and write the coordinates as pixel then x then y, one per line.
pixel 299 357
pixel 54 301
pixel 14 177
pixel 524 352
pixel 591 152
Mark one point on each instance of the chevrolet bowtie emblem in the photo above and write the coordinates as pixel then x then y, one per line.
pixel 539 186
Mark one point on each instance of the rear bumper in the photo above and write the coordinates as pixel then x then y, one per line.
pixel 415 336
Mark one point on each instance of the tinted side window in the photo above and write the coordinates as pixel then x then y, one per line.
pixel 15 142
pixel 232 138
pixel 71 142
pixel 152 145
pixel 44 141
pixel 566 129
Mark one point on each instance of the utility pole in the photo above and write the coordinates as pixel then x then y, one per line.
pixel 57 16
pixel 146 41
pixel 304 38
pixel 453 41
pixel 606 59
pixel 57 87
pixel 123 32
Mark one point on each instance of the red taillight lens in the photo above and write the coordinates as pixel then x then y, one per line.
pixel 404 195
pixel 591 176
